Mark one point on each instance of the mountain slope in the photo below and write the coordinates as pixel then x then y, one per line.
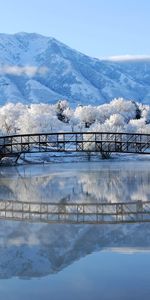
pixel 34 68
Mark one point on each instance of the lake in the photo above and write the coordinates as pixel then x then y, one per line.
pixel 75 261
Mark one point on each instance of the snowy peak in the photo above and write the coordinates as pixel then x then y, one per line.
pixel 60 72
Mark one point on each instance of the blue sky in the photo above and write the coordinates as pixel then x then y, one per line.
pixel 99 28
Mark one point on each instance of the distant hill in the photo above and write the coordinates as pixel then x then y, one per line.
pixel 34 69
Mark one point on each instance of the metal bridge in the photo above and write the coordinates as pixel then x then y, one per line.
pixel 76 213
pixel 99 142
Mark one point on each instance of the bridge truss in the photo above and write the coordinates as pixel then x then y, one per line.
pixel 98 142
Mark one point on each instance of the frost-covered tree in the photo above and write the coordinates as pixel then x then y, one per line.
pixel 146 113
pixel 116 120
pixel 118 115
pixel 86 114
pixel 126 108
pixel 138 110
pixel 30 122
pixel 9 115
pixel 103 113
pixel 138 125
pixel 61 107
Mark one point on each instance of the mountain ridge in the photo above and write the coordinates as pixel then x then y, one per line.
pixel 35 69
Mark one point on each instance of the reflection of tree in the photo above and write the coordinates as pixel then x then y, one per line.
pixel 104 185
pixel 117 185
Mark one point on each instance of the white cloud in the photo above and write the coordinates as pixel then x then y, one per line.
pixel 20 70
pixel 128 58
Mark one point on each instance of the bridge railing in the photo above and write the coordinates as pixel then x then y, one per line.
pixel 76 141
pixel 86 213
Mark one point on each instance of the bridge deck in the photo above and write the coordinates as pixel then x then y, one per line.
pixel 77 213
pixel 105 142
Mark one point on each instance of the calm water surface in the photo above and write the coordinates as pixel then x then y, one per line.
pixel 64 261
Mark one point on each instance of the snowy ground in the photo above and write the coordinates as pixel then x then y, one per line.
pixel 61 157
pixel 44 158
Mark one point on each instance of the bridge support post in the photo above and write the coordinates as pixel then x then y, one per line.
pixel 105 155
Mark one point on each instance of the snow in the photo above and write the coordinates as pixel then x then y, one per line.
pixel 62 72
pixel 120 115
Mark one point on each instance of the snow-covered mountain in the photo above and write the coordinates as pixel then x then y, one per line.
pixel 34 68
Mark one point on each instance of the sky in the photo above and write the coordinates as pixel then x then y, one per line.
pixel 98 28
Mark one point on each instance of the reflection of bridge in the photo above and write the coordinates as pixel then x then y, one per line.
pixel 77 213
pixel 75 142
